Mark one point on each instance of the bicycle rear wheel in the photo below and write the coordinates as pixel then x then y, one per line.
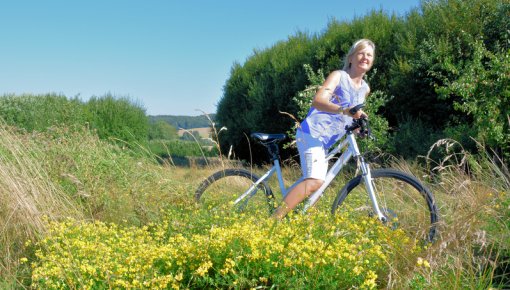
pixel 223 188
pixel 406 203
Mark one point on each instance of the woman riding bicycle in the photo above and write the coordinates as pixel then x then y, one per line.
pixel 332 109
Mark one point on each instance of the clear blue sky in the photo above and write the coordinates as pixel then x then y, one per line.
pixel 173 57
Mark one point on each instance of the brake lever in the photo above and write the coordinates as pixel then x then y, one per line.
pixel 364 128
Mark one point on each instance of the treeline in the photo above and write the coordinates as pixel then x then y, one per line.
pixel 185 122
pixel 441 71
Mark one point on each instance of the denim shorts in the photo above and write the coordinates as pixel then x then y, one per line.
pixel 312 156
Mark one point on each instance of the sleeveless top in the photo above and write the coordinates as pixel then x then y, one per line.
pixel 330 127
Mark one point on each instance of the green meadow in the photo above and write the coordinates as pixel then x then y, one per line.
pixel 81 212
pixel 97 195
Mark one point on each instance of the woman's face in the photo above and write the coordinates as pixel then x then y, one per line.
pixel 363 59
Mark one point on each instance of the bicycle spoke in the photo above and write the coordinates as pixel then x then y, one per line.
pixel 221 191
pixel 404 202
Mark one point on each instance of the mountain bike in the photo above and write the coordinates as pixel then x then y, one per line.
pixel 398 199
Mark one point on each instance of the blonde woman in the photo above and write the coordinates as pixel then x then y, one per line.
pixel 333 108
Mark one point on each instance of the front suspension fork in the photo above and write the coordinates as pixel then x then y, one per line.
pixel 369 185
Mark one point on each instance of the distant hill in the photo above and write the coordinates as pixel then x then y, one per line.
pixel 185 122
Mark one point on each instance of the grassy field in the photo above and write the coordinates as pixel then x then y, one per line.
pixel 203 132
pixel 77 212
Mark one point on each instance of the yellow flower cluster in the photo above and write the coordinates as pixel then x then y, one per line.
pixel 96 255
pixel 215 251
pixel 420 262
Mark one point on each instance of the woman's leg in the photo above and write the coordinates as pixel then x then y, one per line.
pixel 314 167
pixel 297 195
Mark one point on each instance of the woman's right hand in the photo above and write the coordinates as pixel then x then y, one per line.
pixel 360 114
pixel 356 112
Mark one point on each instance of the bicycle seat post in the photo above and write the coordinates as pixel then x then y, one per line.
pixel 270 141
pixel 274 152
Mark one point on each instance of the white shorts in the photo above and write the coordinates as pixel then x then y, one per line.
pixel 312 155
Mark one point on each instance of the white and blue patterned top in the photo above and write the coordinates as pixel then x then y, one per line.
pixel 330 127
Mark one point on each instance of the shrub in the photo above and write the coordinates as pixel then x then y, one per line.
pixel 118 118
pixel 160 129
pixel 40 112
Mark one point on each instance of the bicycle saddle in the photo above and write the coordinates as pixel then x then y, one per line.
pixel 267 138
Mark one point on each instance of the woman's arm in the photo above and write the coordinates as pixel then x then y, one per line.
pixel 322 98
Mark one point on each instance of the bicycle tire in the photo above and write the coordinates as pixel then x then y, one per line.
pixel 222 188
pixel 403 199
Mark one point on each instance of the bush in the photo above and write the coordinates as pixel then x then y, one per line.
pixel 160 129
pixel 413 138
pixel 118 119
pixel 444 64
pixel 481 90
pixel 40 112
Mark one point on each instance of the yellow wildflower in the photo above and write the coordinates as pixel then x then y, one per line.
pixel 204 268
pixel 422 262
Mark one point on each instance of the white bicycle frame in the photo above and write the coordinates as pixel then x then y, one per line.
pixel 352 150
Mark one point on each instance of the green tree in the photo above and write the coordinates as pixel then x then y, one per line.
pixel 482 91
pixel 161 130
pixel 258 95
pixel 418 57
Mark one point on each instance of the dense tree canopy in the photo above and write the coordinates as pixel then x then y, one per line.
pixel 441 70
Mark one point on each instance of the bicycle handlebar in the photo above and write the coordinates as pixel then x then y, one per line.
pixel 362 125
pixel 356 108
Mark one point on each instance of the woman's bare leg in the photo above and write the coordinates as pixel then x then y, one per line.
pixel 297 195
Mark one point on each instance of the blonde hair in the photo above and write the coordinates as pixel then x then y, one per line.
pixel 357 46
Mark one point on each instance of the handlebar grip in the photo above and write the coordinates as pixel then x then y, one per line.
pixel 356 108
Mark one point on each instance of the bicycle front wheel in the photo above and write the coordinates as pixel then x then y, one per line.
pixel 235 188
pixel 406 203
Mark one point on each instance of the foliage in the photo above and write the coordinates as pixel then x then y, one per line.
pixel 39 112
pixel 482 91
pixel 185 122
pixel 433 41
pixel 413 138
pixel 160 129
pixel 421 58
pixel 257 95
pixel 304 98
pixel 118 118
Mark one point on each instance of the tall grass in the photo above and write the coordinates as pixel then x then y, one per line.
pixel 27 197
pixel 134 224
pixel 474 203
pixel 70 172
